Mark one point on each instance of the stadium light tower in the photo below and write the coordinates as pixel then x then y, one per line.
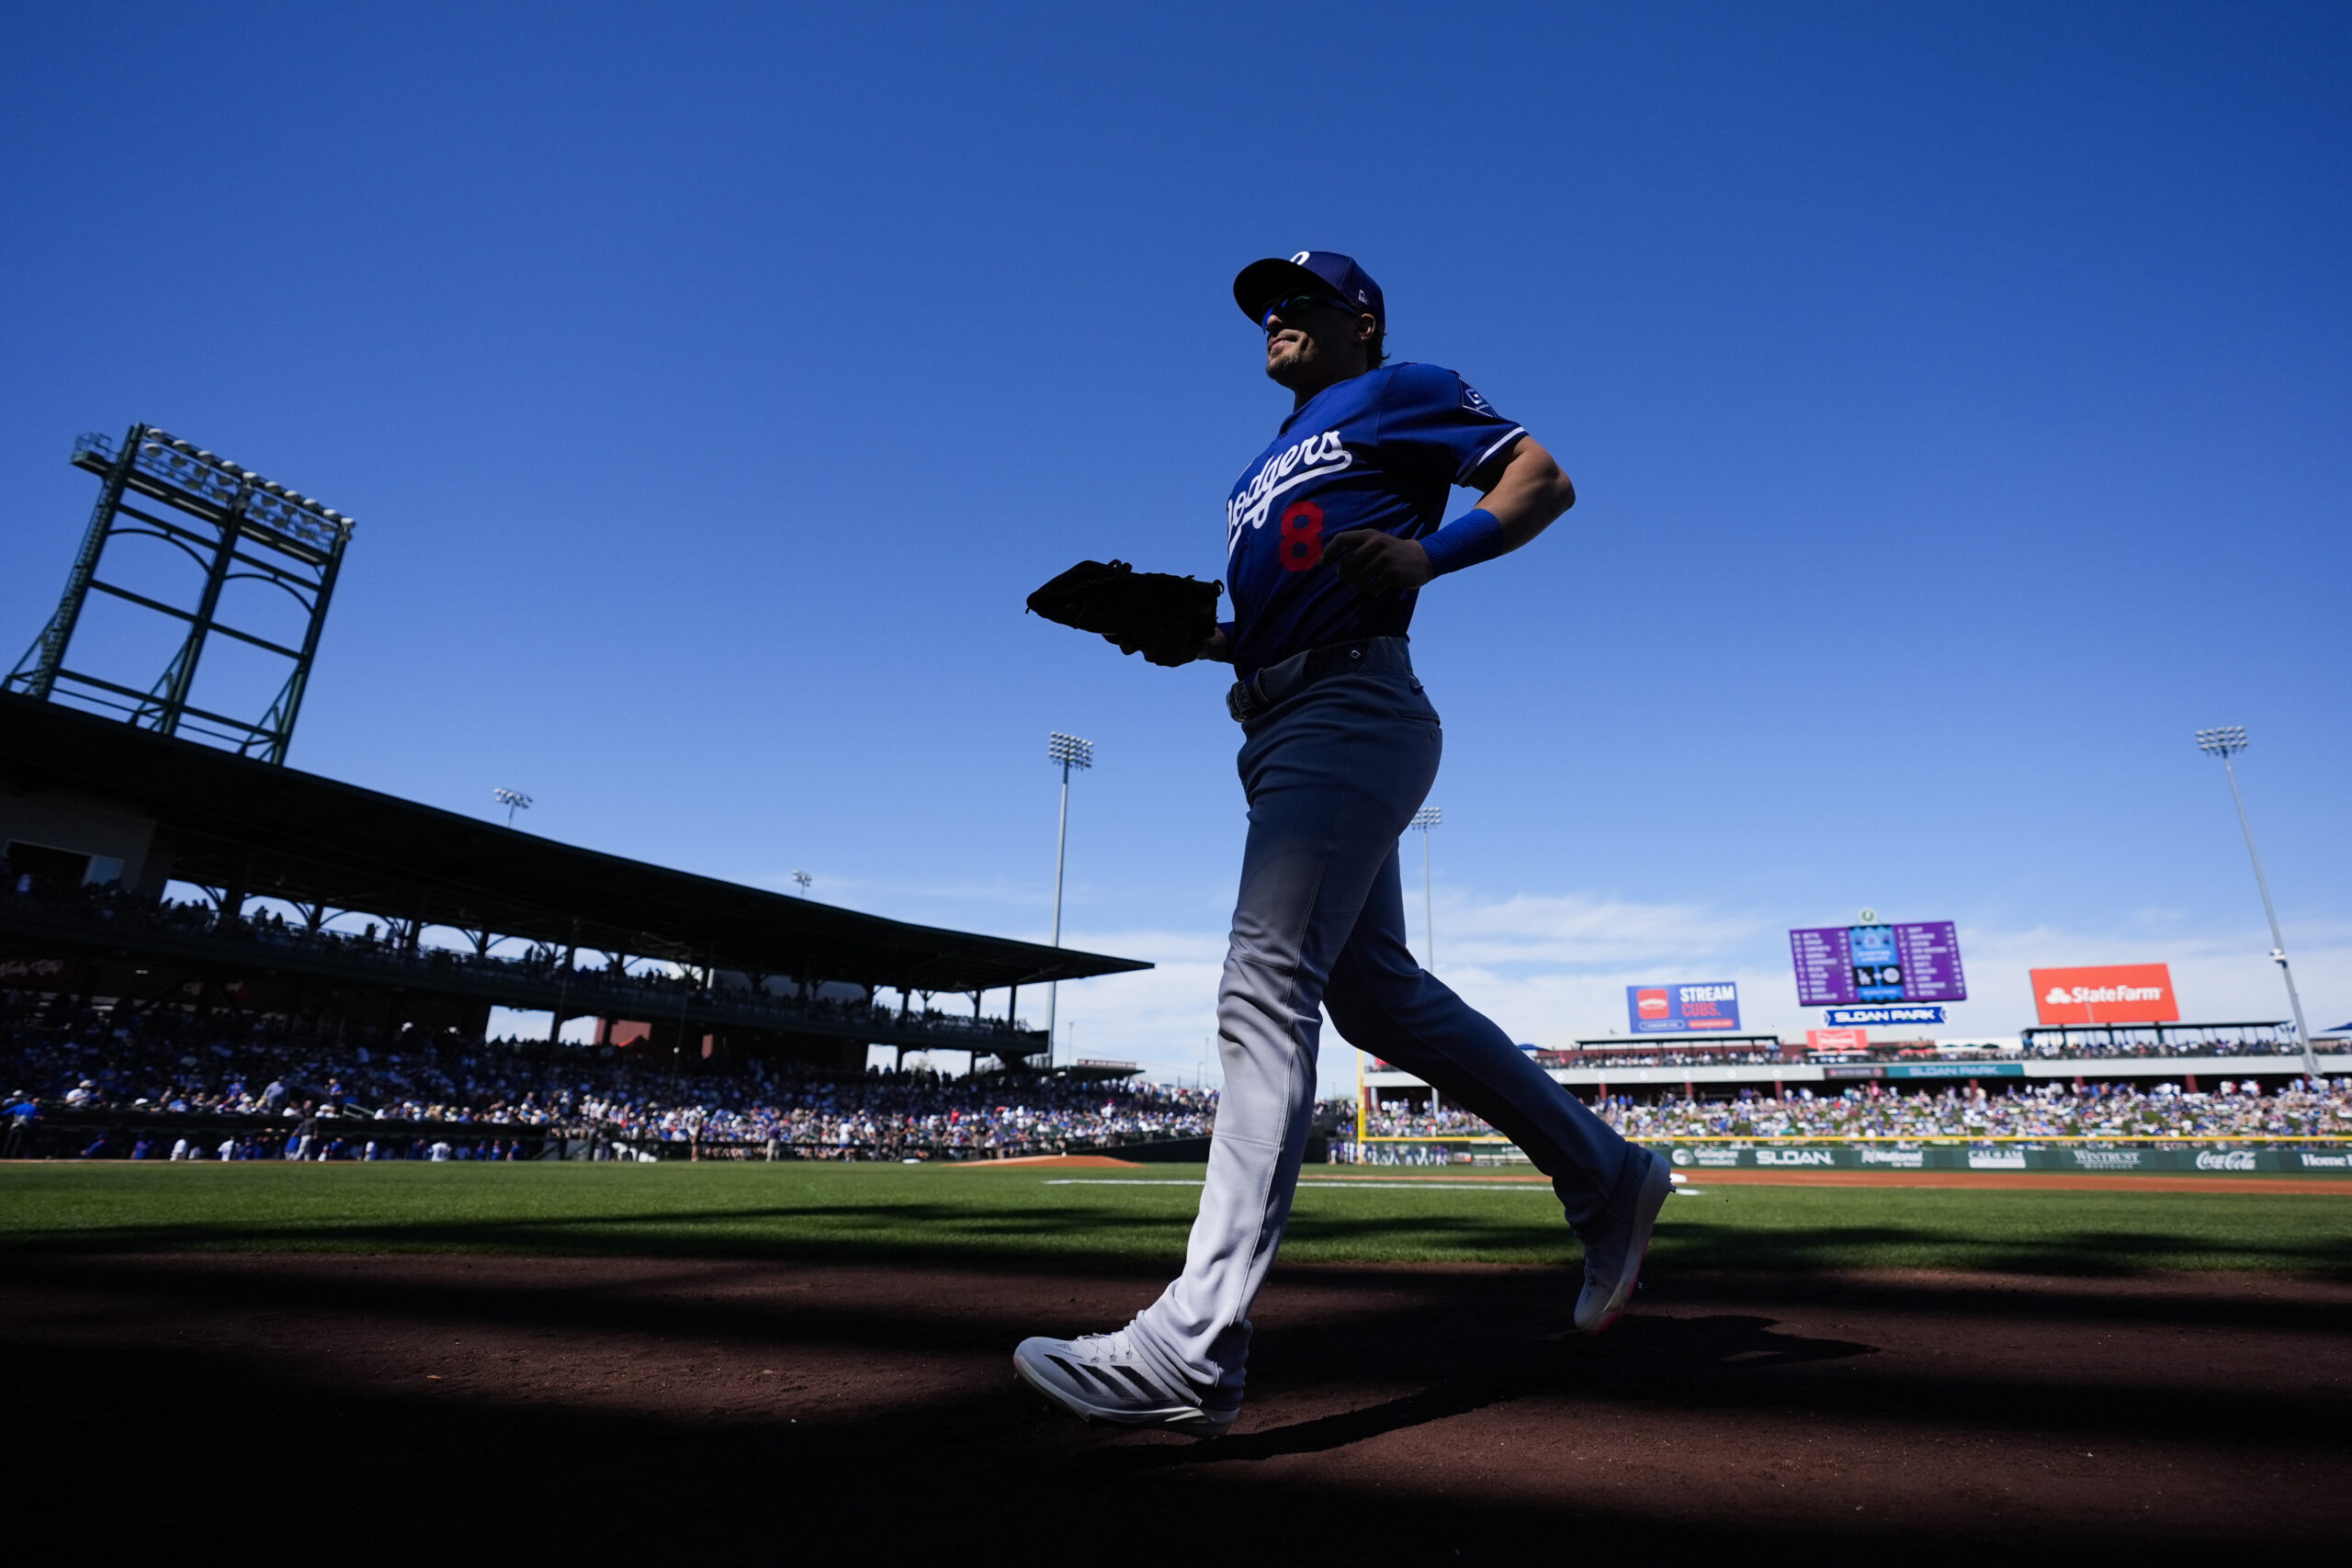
pixel 236 527
pixel 803 878
pixel 1071 753
pixel 513 799
pixel 1427 817
pixel 2226 742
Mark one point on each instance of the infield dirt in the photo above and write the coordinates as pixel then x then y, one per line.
pixel 457 1405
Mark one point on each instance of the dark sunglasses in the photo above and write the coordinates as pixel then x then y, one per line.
pixel 1298 302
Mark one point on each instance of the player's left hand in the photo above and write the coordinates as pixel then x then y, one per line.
pixel 1169 646
pixel 1373 562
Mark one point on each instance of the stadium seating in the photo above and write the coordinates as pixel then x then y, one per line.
pixel 165 1067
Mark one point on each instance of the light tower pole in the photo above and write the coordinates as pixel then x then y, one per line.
pixel 1071 753
pixel 2225 743
pixel 1427 817
pixel 513 799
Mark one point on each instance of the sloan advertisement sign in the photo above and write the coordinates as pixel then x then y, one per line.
pixel 2334 1160
pixel 2110 993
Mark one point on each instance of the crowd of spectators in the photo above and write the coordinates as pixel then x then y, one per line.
pixel 2231 1110
pixel 1603 1056
pixel 164 1064
pixel 2082 1046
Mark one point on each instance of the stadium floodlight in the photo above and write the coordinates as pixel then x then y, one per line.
pixel 1427 817
pixel 803 878
pixel 1071 753
pixel 219 512
pixel 513 799
pixel 2225 742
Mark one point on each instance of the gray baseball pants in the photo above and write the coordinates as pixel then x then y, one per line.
pixel 1334 772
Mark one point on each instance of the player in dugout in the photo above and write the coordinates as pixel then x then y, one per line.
pixel 1331 533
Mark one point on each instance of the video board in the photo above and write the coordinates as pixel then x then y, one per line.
pixel 1682 1009
pixel 1913 962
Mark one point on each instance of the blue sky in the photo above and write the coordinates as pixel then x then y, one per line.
pixel 1958 395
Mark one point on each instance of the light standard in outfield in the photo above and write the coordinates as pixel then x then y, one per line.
pixel 1427 817
pixel 2226 742
pixel 513 799
pixel 1071 753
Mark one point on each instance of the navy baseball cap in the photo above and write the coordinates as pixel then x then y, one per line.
pixel 1309 272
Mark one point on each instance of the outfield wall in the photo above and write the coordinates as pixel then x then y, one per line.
pixel 2333 1161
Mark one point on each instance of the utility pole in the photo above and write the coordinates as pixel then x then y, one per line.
pixel 1071 753
pixel 2225 743
pixel 1427 817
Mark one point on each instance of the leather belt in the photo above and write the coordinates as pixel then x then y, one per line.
pixel 1279 683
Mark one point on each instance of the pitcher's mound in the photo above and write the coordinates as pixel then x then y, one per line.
pixel 1091 1162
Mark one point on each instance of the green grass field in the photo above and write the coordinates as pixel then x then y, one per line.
pixel 1110 1217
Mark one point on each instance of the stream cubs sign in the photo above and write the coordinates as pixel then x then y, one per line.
pixel 1682 1009
pixel 2111 993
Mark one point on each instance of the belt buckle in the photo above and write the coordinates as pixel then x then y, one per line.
pixel 1241 700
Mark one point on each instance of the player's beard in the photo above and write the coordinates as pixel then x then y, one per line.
pixel 1296 366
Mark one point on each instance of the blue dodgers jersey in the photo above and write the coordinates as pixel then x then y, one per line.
pixel 1381 450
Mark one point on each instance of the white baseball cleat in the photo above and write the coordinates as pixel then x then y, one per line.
pixel 1619 1240
pixel 1099 1377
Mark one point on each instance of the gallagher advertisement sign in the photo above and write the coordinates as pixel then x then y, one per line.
pixel 1682 1009
pixel 2108 993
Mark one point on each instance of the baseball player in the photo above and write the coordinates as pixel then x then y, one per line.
pixel 1330 534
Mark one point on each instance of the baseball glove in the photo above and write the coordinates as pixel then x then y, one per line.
pixel 1146 610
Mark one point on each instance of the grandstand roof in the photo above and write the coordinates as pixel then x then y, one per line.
pixel 1672 1041
pixel 230 821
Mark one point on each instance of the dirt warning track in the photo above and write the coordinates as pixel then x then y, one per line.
pixel 1988 1180
pixel 2027 1181
pixel 806 1409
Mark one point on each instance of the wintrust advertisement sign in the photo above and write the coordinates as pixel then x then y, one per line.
pixel 1682 1009
pixel 2108 993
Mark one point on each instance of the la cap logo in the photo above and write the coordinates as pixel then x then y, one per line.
pixel 1300 259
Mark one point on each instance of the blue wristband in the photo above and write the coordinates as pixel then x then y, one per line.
pixel 1475 535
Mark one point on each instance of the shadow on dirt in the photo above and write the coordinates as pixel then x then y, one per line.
pixel 1689 1343
pixel 892 1429
pixel 1117 1238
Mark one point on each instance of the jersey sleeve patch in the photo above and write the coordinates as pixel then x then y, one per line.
pixel 1433 416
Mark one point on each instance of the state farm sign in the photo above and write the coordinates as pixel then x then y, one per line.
pixel 2110 993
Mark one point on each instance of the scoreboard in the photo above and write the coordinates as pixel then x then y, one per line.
pixel 1915 961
